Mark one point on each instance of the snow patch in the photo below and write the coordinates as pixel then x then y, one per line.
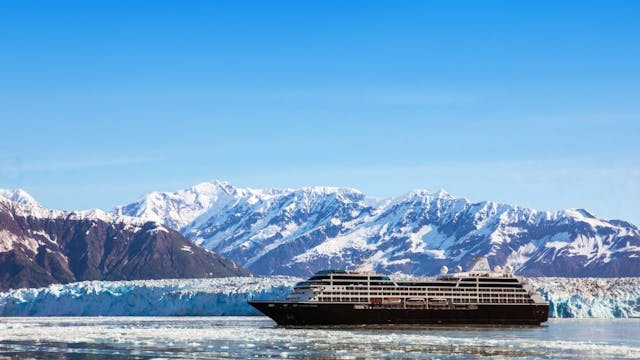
pixel 336 246
pixel 9 240
pixel 416 241
pixel 520 256
pixel 436 254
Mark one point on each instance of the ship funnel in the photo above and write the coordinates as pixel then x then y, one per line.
pixel 444 270
pixel 481 264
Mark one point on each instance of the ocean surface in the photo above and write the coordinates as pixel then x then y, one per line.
pixel 258 337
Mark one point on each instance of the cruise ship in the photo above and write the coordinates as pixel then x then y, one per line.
pixel 478 296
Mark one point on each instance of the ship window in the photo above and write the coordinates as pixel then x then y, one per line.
pixel 348 282
pixel 319 282
pixel 319 277
pixel 327 272
pixel 467 285
pixel 497 285
pixel 349 277
pixel 502 280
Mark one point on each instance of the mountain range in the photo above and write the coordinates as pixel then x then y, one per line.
pixel 299 231
pixel 39 247
pixel 214 229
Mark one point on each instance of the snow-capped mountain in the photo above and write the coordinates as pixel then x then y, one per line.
pixel 39 246
pixel 19 196
pixel 177 210
pixel 297 232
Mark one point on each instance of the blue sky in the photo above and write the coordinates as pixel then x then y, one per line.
pixel 530 103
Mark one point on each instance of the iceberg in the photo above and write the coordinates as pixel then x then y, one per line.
pixel 568 297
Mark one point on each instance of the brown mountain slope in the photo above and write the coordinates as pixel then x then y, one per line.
pixel 39 247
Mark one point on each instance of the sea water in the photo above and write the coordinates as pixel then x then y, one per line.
pixel 259 337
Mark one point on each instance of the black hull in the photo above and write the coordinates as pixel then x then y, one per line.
pixel 285 313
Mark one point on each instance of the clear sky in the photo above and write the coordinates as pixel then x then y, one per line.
pixel 535 103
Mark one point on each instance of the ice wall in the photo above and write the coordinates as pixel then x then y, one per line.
pixel 568 297
pixel 221 296
pixel 590 297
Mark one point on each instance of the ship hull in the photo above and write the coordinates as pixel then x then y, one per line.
pixel 287 313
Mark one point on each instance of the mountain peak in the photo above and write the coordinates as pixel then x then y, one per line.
pixel 585 213
pixel 327 190
pixel 213 185
pixel 422 193
pixel 443 194
pixel 19 196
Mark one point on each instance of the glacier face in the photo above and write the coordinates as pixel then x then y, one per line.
pixel 568 297
pixel 171 297
pixel 590 297
pixel 299 231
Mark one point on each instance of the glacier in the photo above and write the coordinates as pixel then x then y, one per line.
pixel 590 297
pixel 170 297
pixel 568 297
